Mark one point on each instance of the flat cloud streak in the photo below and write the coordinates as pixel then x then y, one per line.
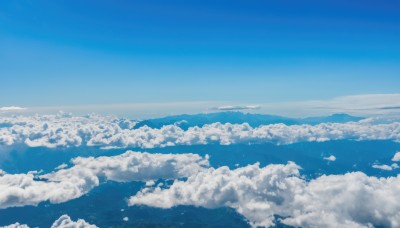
pixel 364 105
pixel 11 108
pixel 236 107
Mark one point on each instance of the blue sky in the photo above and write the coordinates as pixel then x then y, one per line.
pixel 71 53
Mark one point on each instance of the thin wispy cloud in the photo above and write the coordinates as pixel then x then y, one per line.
pixel 236 107
pixel 12 108
pixel 363 104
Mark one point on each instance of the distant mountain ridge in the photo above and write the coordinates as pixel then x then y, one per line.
pixel 254 120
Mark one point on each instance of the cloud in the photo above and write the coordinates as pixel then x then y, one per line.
pixel 363 104
pixel 16 225
pixel 64 130
pixel 349 200
pixel 65 222
pixel 221 187
pixel 62 166
pixel 12 108
pixel 391 107
pixel 86 173
pixel 236 107
pixel 383 167
pixel 396 157
pixel 61 130
pixel 330 158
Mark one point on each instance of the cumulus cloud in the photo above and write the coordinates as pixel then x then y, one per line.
pixel 86 173
pixel 61 130
pixel 396 157
pixel 65 222
pixel 349 200
pixel 107 132
pixel 220 187
pixel 236 107
pixel 16 225
pixel 330 158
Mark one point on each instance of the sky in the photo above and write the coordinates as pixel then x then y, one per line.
pixel 193 55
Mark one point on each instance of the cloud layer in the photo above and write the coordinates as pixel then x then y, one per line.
pixel 350 200
pixel 86 173
pixel 68 131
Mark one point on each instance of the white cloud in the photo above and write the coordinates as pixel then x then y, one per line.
pixel 16 225
pixel 237 107
pixel 349 200
pixel 66 184
pixel 125 219
pixel 65 222
pixel 62 166
pixel 108 132
pixel 11 108
pixel 396 157
pixel 61 130
pixel 220 187
pixel 330 158
pixel 383 167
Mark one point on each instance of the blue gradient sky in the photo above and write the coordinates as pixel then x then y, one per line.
pixel 55 53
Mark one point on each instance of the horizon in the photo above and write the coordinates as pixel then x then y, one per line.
pixel 370 105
